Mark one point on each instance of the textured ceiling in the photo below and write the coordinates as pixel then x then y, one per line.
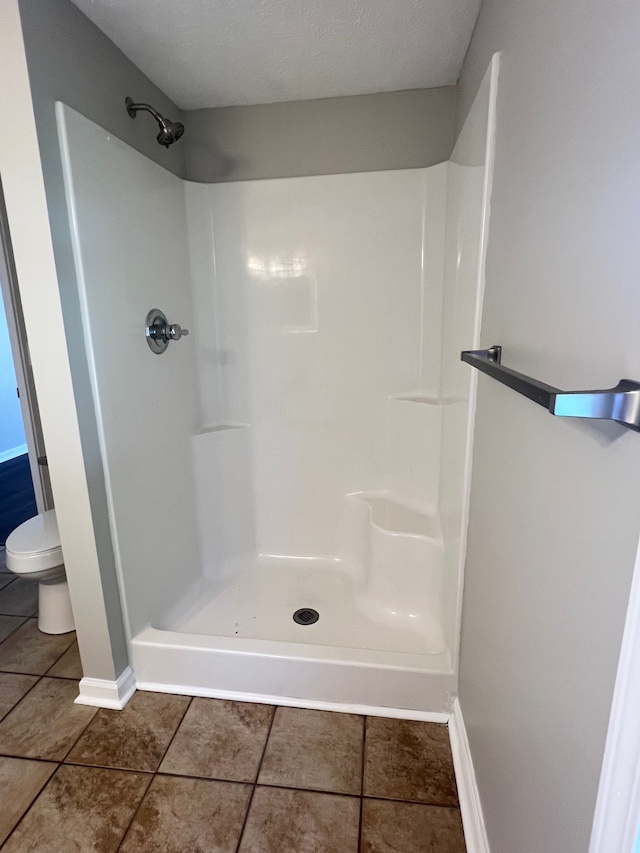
pixel 211 53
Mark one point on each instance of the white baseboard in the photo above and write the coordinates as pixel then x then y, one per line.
pixel 316 705
pixel 107 694
pixel 475 833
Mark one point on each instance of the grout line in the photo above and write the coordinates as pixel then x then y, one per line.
pixel 413 803
pixel 90 720
pixel 25 619
pixel 96 766
pixel 57 660
pixel 255 784
pixel 215 779
pixel 39 675
pixel 302 790
pixel 266 743
pixel 135 811
pixel 31 758
pixel 173 736
pixel 37 681
pixel 362 766
pixel 31 804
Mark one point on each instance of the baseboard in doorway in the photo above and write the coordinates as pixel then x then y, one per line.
pixel 102 693
pixel 475 833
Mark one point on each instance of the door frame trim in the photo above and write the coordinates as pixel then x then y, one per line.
pixel 616 822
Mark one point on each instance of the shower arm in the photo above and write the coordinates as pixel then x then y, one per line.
pixel 133 109
pixel 620 404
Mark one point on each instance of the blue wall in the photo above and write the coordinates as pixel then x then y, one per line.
pixel 12 438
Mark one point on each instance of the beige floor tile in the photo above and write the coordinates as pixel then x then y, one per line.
pixel 408 760
pixel 46 723
pixel 19 598
pixel 285 821
pixel 12 688
pixel 20 783
pixel 182 815
pixel 69 665
pixel 82 809
pixel 29 650
pixel 8 625
pixel 389 827
pixel 134 739
pixel 320 750
pixel 220 740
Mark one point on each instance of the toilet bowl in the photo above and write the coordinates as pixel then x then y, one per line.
pixel 33 552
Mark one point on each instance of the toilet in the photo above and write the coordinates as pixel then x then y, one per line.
pixel 33 552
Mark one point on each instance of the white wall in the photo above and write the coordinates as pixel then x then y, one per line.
pixel 12 437
pixel 554 508
pixel 317 300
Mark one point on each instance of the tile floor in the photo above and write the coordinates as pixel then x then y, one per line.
pixel 171 774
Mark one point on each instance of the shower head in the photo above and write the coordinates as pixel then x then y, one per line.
pixel 170 131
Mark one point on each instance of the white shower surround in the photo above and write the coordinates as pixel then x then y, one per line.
pixel 288 453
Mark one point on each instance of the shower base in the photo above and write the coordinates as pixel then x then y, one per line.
pixel 235 637
pixel 257 601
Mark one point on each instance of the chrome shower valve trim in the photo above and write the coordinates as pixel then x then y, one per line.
pixel 160 332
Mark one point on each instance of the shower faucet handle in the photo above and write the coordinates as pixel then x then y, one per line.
pixel 174 332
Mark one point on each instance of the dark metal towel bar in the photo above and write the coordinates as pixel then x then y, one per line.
pixel 620 404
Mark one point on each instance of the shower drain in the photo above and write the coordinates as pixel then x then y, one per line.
pixel 306 616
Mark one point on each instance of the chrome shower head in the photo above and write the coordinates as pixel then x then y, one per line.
pixel 170 131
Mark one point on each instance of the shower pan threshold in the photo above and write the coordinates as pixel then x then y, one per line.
pixel 240 641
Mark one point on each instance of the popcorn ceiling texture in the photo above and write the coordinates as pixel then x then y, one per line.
pixel 208 53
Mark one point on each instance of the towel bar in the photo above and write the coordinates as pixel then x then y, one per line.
pixel 620 404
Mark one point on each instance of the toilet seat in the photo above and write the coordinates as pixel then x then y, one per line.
pixel 35 546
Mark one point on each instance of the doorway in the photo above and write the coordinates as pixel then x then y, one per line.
pixel 24 483
pixel 17 496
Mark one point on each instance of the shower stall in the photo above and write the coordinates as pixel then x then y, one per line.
pixel 306 450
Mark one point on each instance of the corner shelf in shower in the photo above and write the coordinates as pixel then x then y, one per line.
pixel 418 398
pixel 211 428
pixel 428 401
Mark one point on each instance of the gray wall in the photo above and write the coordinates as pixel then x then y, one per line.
pixel 396 130
pixel 70 60
pixel 554 509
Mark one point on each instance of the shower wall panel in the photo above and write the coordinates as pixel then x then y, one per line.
pixel 318 301
pixel 130 245
pixel 468 197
